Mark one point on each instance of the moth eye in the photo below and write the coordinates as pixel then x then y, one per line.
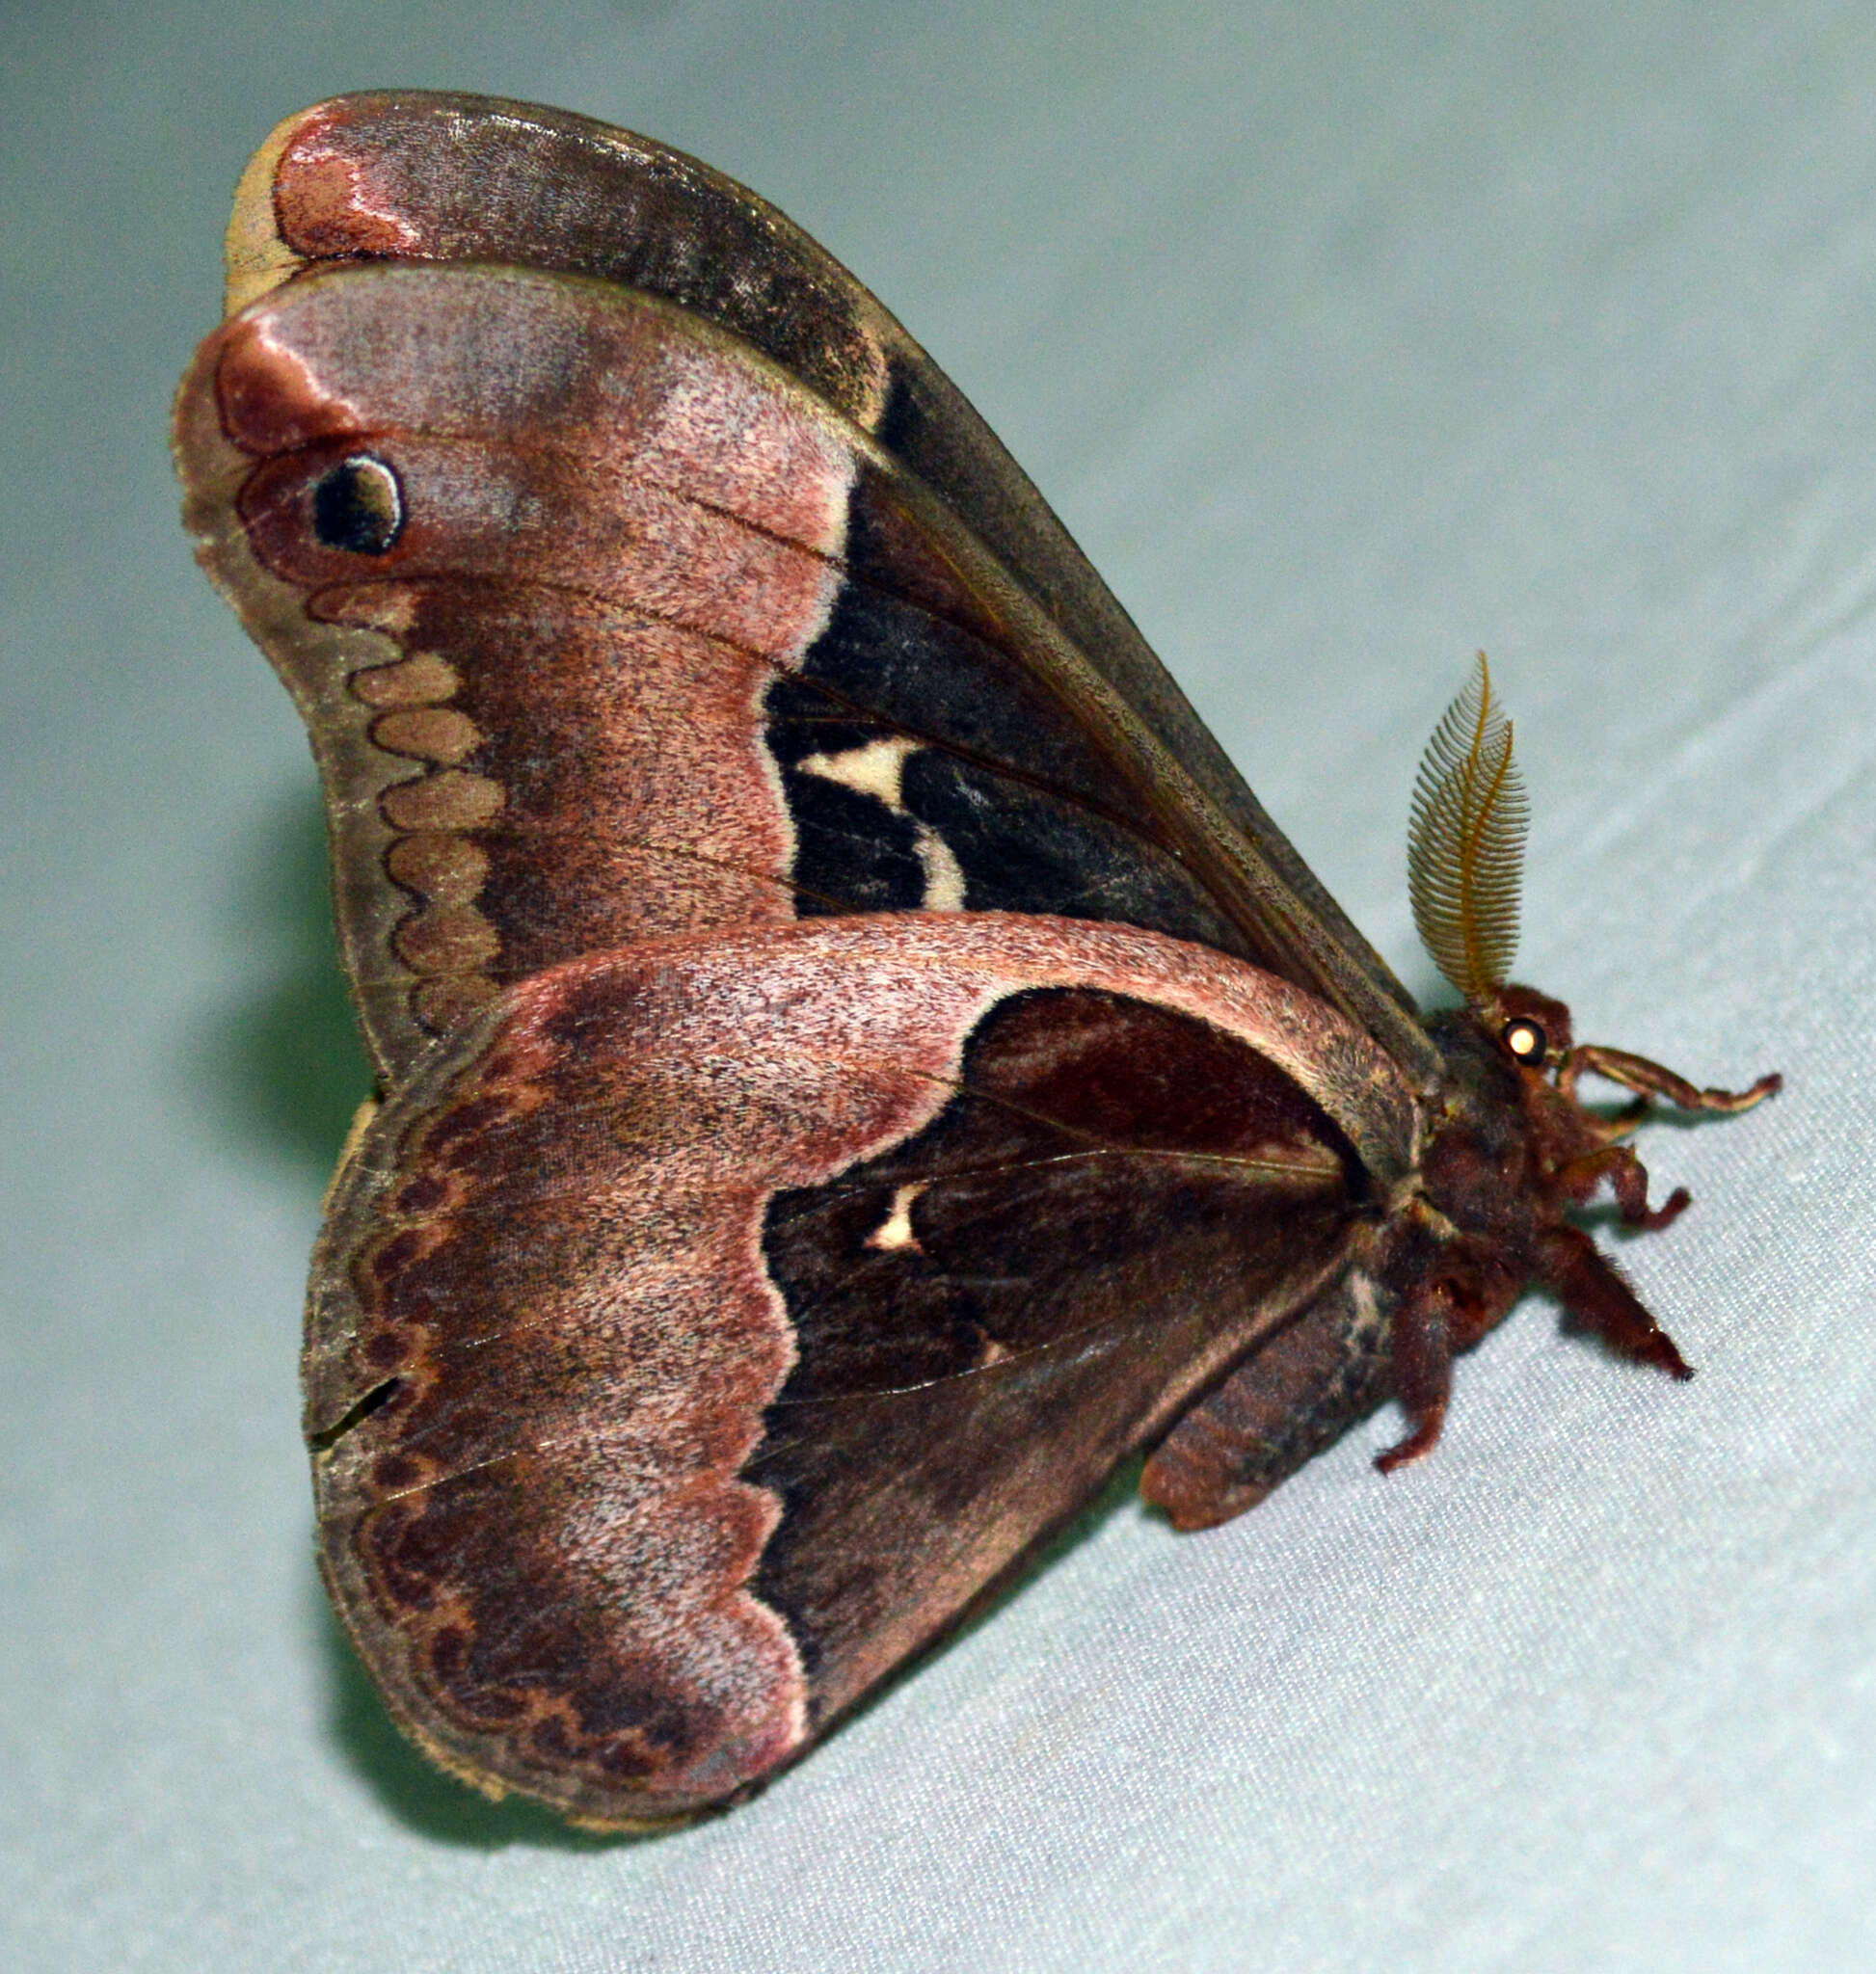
pixel 1525 1040
pixel 358 506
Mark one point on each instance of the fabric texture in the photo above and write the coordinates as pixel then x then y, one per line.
pixel 1346 340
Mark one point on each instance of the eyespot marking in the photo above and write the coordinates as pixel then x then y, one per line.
pixel 359 507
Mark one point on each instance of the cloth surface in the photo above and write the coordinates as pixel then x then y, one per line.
pixel 1346 340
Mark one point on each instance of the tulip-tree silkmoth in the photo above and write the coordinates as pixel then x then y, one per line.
pixel 856 1060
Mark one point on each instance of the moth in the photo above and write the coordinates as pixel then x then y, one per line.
pixel 856 1061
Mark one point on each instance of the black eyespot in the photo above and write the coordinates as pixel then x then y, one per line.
pixel 1525 1041
pixel 358 506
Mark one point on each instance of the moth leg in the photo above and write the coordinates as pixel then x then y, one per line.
pixel 1610 1131
pixel 1591 1287
pixel 1629 1181
pixel 1638 1073
pixel 1422 1349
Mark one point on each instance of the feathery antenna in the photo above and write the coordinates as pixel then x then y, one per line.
pixel 1466 843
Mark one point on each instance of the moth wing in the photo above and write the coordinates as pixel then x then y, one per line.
pixel 707 1323
pixel 709 599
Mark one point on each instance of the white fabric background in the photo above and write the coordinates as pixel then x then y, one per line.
pixel 1346 338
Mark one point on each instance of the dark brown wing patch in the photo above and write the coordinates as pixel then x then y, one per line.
pixel 1120 1199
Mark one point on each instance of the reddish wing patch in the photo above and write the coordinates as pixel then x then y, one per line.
pixel 611 528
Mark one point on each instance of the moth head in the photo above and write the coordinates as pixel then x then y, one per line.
pixel 1465 852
